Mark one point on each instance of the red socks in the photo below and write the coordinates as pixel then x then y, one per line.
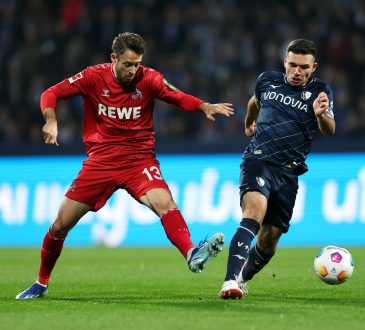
pixel 177 231
pixel 172 221
pixel 51 250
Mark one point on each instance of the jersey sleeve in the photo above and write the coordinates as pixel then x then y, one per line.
pixel 259 81
pixel 75 85
pixel 172 95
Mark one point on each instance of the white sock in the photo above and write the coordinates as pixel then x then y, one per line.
pixel 188 255
pixel 41 284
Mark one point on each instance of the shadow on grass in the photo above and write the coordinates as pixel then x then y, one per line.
pixel 251 302
pixel 259 301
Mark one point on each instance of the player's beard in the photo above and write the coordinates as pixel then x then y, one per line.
pixel 121 77
pixel 124 79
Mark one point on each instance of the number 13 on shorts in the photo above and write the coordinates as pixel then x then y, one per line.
pixel 152 173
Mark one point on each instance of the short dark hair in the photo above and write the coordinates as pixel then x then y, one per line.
pixel 129 40
pixel 302 46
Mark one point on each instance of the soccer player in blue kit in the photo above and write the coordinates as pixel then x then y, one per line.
pixel 281 118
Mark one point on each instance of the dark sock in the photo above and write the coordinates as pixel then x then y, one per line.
pixel 257 260
pixel 239 247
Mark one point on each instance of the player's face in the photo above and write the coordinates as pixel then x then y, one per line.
pixel 126 65
pixel 299 68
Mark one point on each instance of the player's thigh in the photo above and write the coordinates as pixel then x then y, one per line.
pixel 281 203
pixel 93 185
pixel 255 178
pixel 254 205
pixel 69 213
pixel 159 200
pixel 144 177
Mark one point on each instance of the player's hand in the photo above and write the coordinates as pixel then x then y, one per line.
pixel 250 131
pixel 320 104
pixel 224 109
pixel 50 132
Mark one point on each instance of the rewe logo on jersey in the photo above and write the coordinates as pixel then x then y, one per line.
pixel 120 113
pixel 287 100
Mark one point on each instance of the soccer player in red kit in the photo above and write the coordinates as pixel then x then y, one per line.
pixel 119 137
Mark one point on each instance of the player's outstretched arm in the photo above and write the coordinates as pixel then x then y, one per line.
pixel 326 122
pixel 210 110
pixel 251 116
pixel 49 129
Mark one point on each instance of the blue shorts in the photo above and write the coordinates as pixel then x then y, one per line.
pixel 279 184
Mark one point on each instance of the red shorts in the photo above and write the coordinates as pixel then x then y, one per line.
pixel 96 182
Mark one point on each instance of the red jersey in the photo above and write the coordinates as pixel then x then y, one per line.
pixel 118 118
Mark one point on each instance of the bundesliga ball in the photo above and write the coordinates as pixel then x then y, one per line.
pixel 333 264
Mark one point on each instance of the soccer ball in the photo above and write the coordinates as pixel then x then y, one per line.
pixel 333 264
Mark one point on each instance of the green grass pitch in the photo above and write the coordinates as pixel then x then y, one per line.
pixel 141 288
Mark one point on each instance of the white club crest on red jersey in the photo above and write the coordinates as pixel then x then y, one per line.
pixel 137 94
pixel 75 77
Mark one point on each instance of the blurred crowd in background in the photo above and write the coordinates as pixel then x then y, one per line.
pixel 213 49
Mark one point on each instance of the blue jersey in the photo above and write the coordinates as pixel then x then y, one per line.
pixel 286 122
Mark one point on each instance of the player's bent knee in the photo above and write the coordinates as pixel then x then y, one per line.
pixel 62 226
pixel 165 207
pixel 58 230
